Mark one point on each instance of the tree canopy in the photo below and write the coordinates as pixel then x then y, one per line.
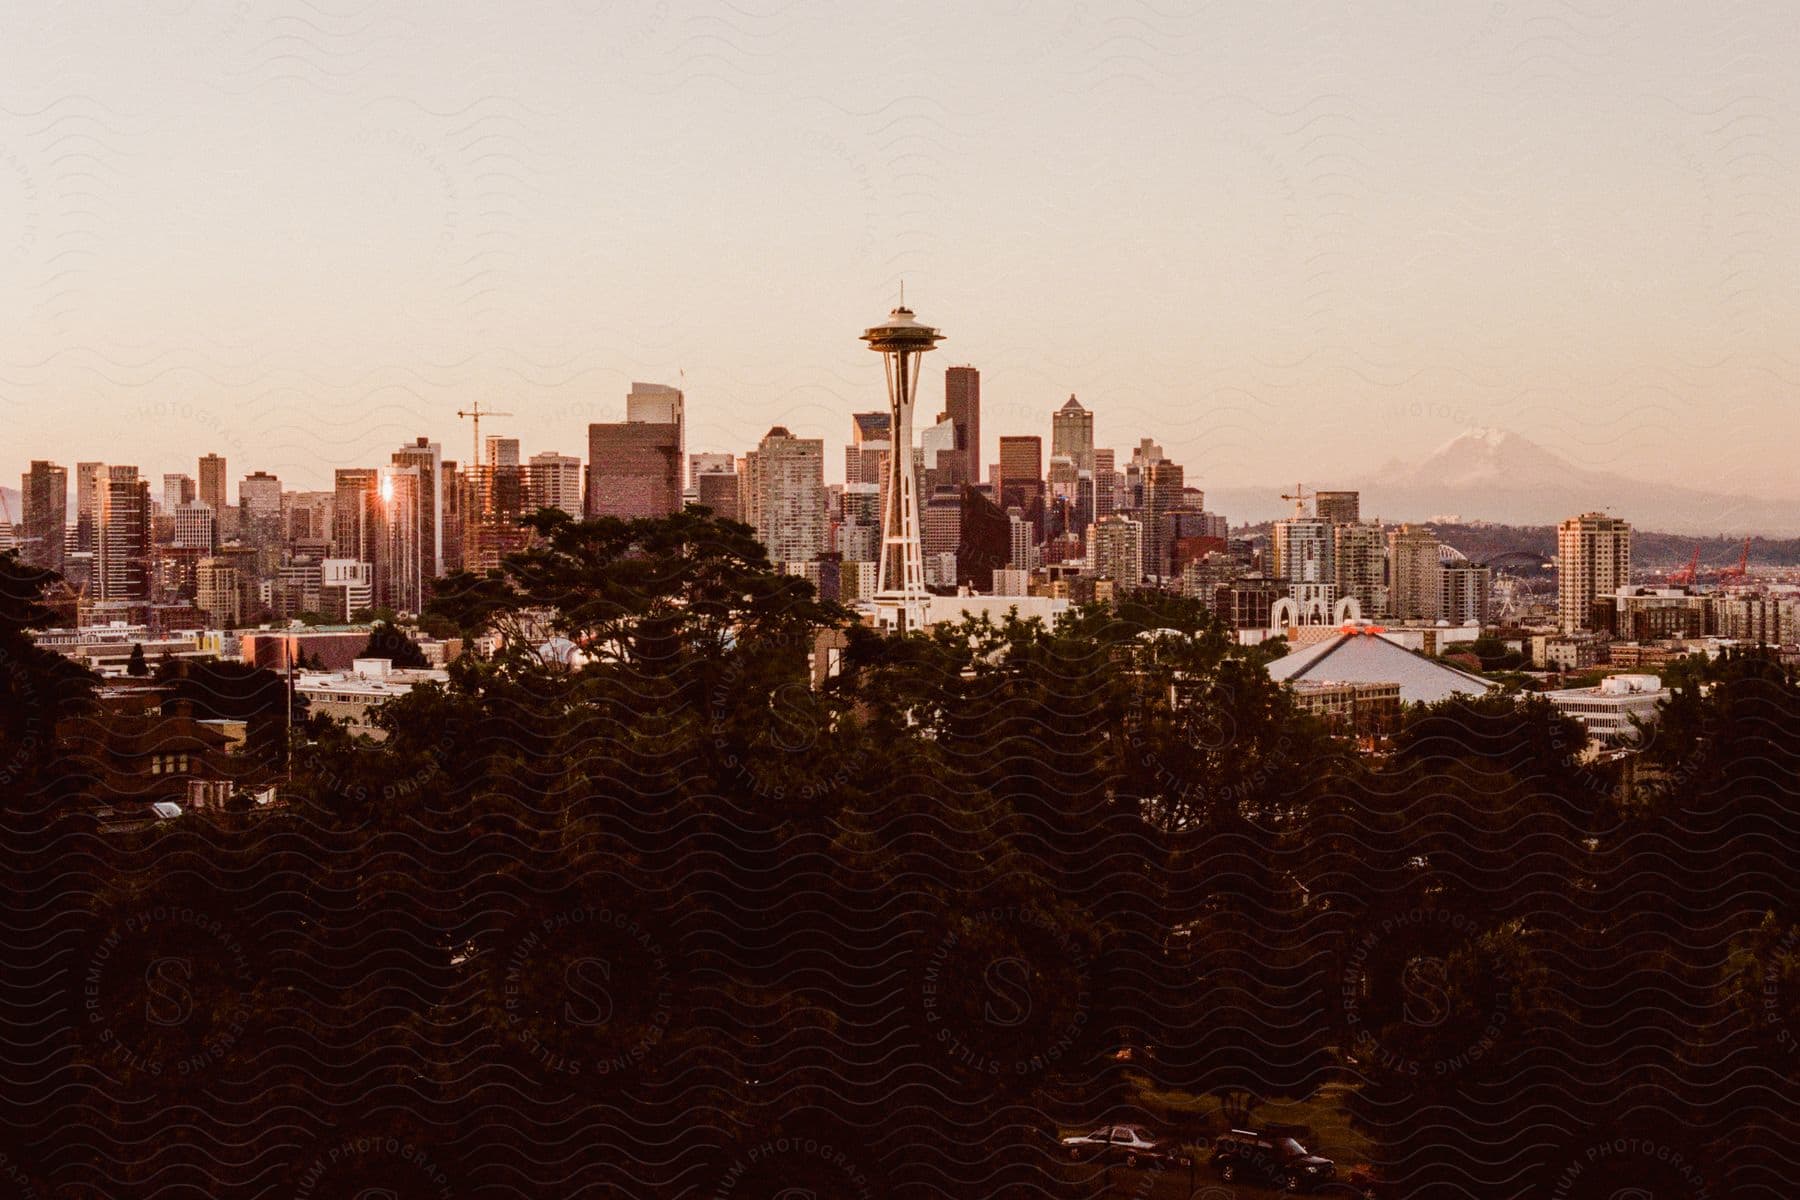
pixel 745 896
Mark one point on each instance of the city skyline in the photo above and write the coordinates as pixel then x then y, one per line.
pixel 680 599
pixel 1372 231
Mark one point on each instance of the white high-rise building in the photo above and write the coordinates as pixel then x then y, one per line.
pixel 1303 550
pixel 196 527
pixel 554 481
pixel 178 490
pixel 1466 588
pixel 1116 550
pixel 937 446
pixel 785 490
pixel 1024 554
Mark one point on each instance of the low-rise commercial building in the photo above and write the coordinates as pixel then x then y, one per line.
pixel 1614 710
pixel 353 694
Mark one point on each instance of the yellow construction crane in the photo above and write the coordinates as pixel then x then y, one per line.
pixel 476 413
pixel 1299 496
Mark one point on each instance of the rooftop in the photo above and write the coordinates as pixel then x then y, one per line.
pixel 1359 654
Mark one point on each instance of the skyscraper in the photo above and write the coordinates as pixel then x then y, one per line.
pixel 1164 483
pixel 718 490
pixel 218 590
pixel 1338 508
pixel 90 490
pixel 196 528
pixel 1106 484
pixel 634 470
pixel 1021 469
pixel 985 542
pixel 859 523
pixel 122 540
pixel 1303 550
pixel 937 460
pixel 1593 559
pixel 44 515
pixel 502 481
pixel 453 505
pixel 940 533
pixel 1137 471
pixel 962 406
pixel 555 482
pixel 260 520
pixel 353 513
pixel 428 457
pixel 1359 560
pixel 1021 542
pixel 1467 588
pixel 658 404
pixel 1072 434
pixel 1116 546
pixel 865 458
pixel 1415 583
pixel 785 484
pixel 400 558
pixel 1064 508
pixel 708 460
pixel 178 489
pixel 212 482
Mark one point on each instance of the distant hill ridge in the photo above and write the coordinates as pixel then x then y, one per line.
pixel 1503 477
pixel 1650 549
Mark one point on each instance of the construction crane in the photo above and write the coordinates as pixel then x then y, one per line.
pixel 1742 569
pixel 475 413
pixel 1685 575
pixel 1300 496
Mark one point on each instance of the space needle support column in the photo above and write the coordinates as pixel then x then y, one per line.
pixel 901 601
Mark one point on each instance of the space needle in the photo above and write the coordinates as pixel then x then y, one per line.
pixel 901 601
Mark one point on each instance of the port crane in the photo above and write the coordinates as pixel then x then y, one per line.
pixel 1741 570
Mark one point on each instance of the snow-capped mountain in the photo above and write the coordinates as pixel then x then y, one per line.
pixel 1495 475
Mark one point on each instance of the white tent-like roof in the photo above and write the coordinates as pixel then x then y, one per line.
pixel 1359 654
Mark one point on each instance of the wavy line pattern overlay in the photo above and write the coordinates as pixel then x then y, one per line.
pixel 688 921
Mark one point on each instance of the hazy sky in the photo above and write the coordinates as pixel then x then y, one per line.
pixel 1288 241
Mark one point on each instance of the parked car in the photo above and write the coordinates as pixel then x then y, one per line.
pixel 1130 1144
pixel 1260 1156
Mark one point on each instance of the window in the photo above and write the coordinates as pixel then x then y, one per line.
pixel 156 764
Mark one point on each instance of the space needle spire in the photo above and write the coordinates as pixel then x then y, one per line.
pixel 901 601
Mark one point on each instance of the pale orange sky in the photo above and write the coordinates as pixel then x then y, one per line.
pixel 1287 241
